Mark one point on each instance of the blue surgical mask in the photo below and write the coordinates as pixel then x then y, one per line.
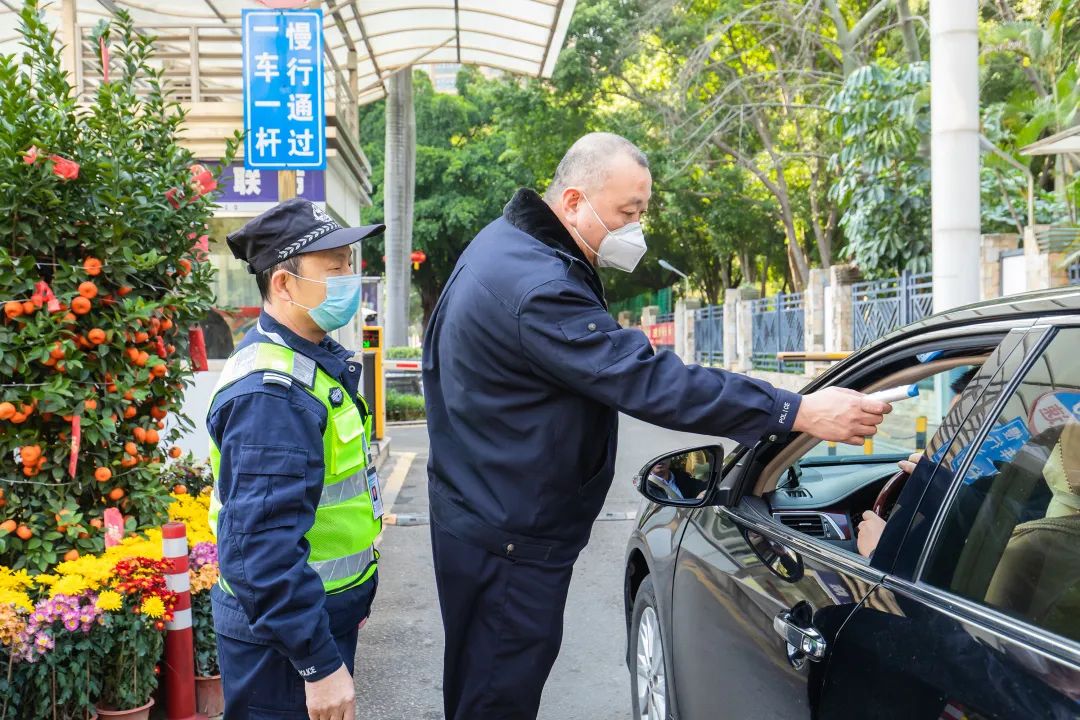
pixel 341 303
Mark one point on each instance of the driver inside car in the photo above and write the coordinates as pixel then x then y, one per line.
pixel 873 525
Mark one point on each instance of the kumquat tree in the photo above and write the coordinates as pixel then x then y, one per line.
pixel 102 221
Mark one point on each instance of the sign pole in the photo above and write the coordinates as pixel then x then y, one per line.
pixel 286 184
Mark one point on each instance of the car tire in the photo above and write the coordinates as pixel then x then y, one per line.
pixel 648 674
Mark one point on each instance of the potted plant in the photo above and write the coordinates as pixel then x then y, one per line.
pixel 209 698
pixel 53 652
pixel 129 642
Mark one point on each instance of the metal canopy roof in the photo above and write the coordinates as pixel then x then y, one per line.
pixel 1066 142
pixel 519 36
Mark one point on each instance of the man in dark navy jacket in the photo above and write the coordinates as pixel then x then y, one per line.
pixel 525 373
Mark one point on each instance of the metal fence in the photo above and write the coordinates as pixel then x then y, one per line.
pixel 777 325
pixel 709 335
pixel 1074 274
pixel 881 306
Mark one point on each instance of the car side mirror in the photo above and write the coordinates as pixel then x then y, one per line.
pixel 681 479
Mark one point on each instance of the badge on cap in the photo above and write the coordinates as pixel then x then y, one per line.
pixel 336 397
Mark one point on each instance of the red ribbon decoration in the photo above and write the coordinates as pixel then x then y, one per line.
pixel 104 59
pixel 161 348
pixel 45 292
pixel 76 441
pixel 114 527
pixel 171 195
pixel 197 349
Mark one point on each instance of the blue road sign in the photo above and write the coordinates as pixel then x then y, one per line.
pixel 284 108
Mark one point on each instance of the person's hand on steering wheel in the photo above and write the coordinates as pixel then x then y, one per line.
pixel 908 465
pixel 870 530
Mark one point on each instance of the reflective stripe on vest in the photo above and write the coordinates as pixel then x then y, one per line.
pixel 345 529
pixel 344 568
pixel 347 489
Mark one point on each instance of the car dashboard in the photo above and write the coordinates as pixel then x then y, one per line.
pixel 825 497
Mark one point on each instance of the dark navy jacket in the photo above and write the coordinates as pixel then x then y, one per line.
pixel 525 373
pixel 271 438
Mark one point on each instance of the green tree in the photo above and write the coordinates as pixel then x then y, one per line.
pixel 881 117
pixel 462 180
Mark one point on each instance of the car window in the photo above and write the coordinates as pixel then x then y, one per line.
pixel 1010 538
pixel 912 422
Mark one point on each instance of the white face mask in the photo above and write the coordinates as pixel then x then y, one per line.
pixel 621 249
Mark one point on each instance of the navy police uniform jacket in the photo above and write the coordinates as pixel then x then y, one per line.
pixel 525 373
pixel 269 505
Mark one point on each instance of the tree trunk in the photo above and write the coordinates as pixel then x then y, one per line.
pixel 429 297
pixel 907 27
pixel 400 184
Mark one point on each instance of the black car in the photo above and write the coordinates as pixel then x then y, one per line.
pixel 746 593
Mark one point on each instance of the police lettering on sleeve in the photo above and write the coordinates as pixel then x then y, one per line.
pixel 570 339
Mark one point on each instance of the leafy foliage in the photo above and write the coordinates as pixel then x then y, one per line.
pixel 883 177
pixel 101 204
pixel 403 407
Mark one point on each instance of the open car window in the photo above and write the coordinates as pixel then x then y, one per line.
pixel 824 491
pixel 912 422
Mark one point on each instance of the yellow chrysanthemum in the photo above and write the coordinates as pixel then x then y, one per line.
pixel 153 607
pixel 110 601
pixel 95 571
pixel 16 598
pixel 69 585
pixel 193 511
pixel 15 580
pixel 46 580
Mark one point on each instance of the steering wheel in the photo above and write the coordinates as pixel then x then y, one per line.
pixel 886 499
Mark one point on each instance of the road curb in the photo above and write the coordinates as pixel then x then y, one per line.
pixel 407 423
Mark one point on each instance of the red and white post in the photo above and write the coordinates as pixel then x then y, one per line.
pixel 179 673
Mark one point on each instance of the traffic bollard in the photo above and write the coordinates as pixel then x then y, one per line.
pixel 179 674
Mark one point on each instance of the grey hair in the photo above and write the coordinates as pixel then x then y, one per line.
pixel 587 164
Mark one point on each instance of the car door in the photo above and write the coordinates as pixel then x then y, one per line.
pixel 736 572
pixel 980 614
pixel 756 604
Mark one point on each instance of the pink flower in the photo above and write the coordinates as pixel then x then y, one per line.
pixel 31 156
pixel 63 168
pixel 44 642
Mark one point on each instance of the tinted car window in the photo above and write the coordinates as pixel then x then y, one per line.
pixel 1011 535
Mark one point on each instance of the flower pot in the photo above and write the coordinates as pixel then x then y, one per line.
pixel 139 713
pixel 209 698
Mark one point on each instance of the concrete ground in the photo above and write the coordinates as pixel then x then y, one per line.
pixel 399 660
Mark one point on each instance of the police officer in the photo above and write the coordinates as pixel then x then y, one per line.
pixel 525 373
pixel 293 499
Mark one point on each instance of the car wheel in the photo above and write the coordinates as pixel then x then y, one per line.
pixel 648 674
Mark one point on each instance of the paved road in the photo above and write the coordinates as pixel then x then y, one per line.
pixel 399 662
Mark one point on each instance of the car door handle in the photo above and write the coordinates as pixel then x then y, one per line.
pixel 802 641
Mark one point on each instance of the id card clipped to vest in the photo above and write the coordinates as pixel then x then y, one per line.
pixel 374 490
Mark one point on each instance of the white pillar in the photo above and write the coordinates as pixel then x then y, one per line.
pixel 400 184
pixel 954 150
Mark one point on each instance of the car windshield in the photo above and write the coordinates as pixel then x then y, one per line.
pixel 911 423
